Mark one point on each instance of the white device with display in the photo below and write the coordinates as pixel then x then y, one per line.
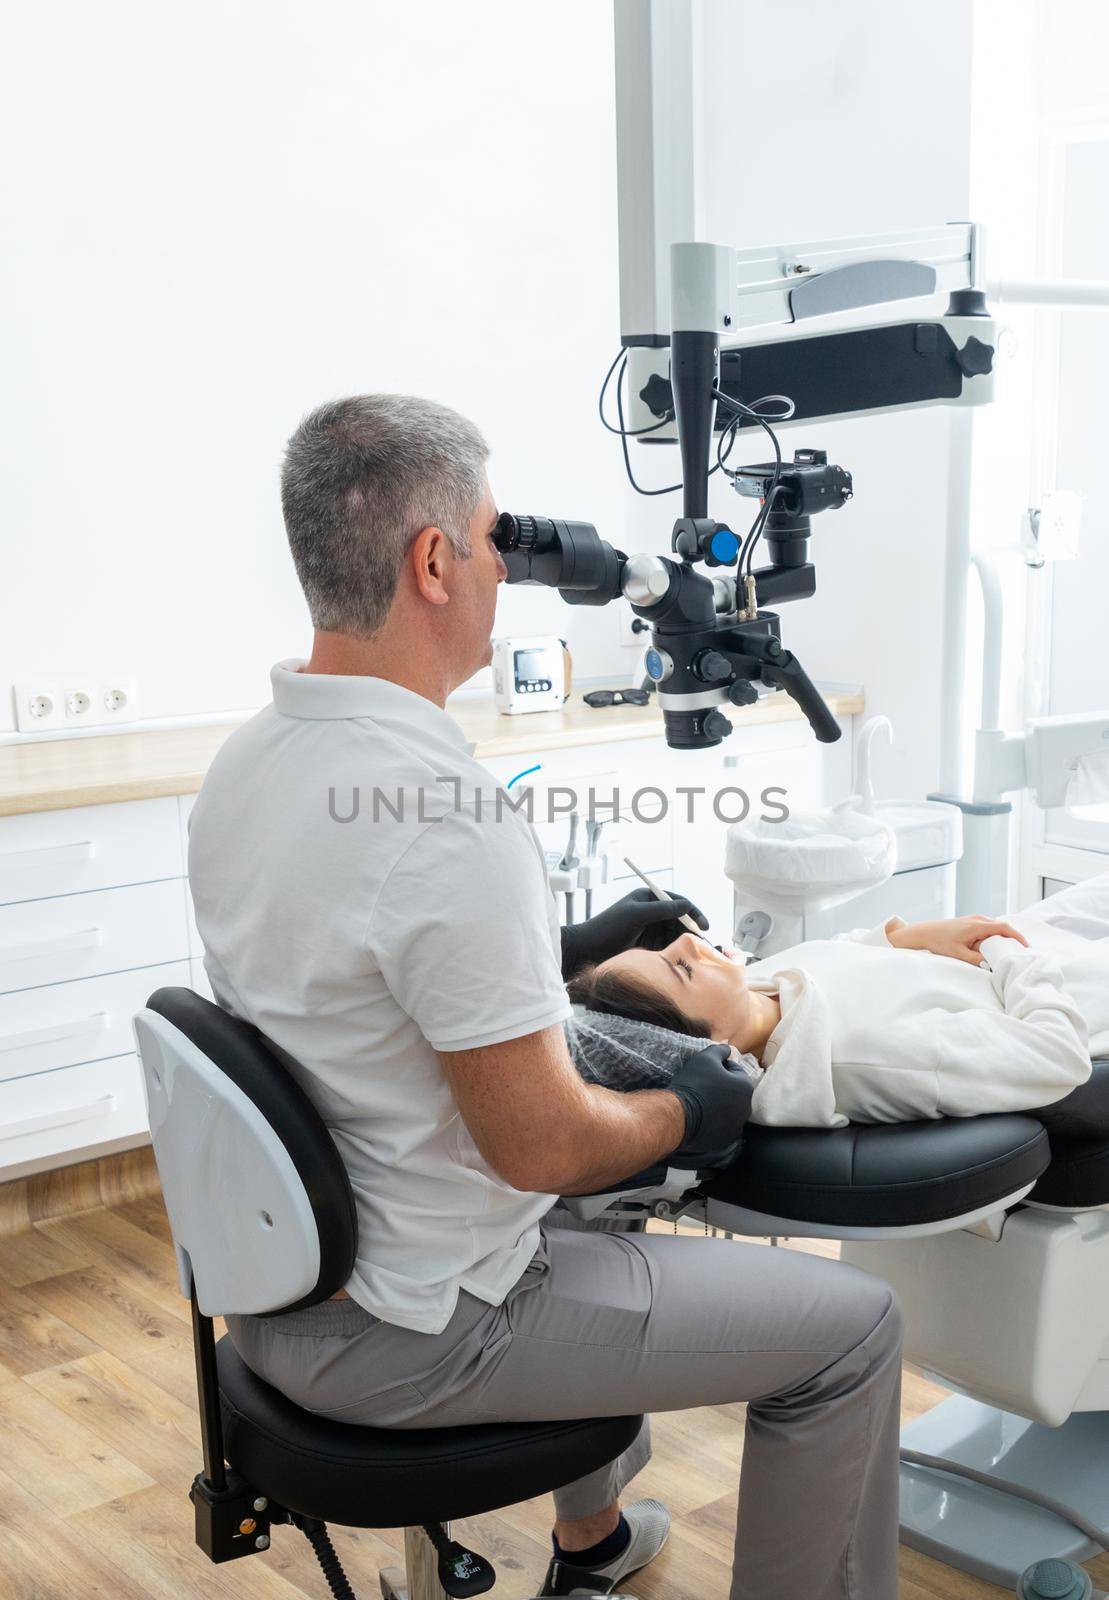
pixel 530 673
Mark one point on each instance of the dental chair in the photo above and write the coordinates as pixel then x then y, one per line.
pixel 263 1222
pixel 1014 1316
pixel 994 1231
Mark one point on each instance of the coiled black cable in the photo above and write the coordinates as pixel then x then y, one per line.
pixel 318 1537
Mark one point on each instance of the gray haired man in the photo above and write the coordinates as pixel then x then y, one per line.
pixel 412 966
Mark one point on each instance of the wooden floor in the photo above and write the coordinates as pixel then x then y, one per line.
pixel 98 1444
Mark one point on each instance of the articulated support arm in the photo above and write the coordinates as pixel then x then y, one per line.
pixel 754 656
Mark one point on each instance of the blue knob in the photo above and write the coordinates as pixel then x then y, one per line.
pixel 724 546
pixel 654 666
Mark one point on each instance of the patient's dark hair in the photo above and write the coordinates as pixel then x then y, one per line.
pixel 615 995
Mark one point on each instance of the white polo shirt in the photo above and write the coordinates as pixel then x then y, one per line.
pixel 360 947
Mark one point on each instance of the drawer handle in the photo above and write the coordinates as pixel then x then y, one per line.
pixel 49 855
pixel 59 1119
pixel 58 1030
pixel 87 939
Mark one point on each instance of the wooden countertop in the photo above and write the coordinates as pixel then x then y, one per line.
pixel 55 774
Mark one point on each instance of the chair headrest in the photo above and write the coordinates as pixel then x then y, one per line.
pixel 258 1197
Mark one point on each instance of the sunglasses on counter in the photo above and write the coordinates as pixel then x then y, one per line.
pixel 617 697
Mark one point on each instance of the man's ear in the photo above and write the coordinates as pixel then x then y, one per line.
pixel 429 555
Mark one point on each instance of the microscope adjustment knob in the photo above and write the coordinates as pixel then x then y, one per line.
pixel 723 548
pixel 658 665
pixel 712 667
pixel 716 725
pixel 743 692
pixel 975 358
pixel 646 580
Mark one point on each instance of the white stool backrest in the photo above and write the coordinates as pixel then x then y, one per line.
pixel 244 1226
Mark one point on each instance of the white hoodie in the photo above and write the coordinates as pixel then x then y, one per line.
pixel 871 1033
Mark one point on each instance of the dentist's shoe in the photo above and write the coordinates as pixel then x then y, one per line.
pixel 649 1522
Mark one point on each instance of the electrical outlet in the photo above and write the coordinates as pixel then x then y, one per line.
pixel 119 699
pixel 39 704
pixel 78 700
pixel 635 632
pixel 79 697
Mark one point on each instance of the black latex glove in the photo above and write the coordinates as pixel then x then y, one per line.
pixel 638 919
pixel 715 1093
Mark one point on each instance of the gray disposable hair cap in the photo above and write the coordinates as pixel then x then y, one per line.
pixel 621 1053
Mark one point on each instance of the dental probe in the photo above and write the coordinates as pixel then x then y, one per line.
pixel 661 894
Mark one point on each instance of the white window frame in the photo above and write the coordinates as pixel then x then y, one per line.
pixel 1038 857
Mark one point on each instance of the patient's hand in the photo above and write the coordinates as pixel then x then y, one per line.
pixel 958 937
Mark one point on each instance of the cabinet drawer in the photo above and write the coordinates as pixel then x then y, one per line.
pixel 63 1024
pixel 80 935
pixel 90 847
pixel 77 1110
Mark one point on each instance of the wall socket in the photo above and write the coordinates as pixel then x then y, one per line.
pixel 78 700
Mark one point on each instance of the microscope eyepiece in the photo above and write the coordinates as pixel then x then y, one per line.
pixel 525 533
pixel 568 556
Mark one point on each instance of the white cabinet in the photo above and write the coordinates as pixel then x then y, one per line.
pixel 92 921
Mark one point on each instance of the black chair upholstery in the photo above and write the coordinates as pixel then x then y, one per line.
pixel 1078 1128
pixel 1078 1175
pixel 1084 1113
pixel 392 1478
pixel 888 1175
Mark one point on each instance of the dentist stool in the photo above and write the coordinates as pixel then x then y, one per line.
pixel 263 1222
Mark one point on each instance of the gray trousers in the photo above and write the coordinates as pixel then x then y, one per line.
pixel 611 1324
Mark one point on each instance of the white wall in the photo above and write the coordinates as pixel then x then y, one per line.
pixel 218 215
pixel 223 214
pixel 830 120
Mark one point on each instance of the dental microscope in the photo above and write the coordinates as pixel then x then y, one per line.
pixel 715 642
pixel 711 641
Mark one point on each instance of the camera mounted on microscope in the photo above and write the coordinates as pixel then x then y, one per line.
pixel 800 490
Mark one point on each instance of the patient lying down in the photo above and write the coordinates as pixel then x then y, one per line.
pixel 937 1019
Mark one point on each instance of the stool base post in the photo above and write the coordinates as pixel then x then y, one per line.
pixel 420 1578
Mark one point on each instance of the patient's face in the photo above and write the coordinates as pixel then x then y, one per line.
pixel 703 982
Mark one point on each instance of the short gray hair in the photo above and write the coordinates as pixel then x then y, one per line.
pixel 361 477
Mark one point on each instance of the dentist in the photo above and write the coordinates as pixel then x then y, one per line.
pixel 367 900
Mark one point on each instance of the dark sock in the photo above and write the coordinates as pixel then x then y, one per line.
pixel 598 1555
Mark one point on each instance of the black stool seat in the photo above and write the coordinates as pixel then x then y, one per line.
pixel 887 1175
pixel 394 1477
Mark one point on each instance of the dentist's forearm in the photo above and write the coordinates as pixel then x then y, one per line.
pixel 544 1130
pixel 625 1134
